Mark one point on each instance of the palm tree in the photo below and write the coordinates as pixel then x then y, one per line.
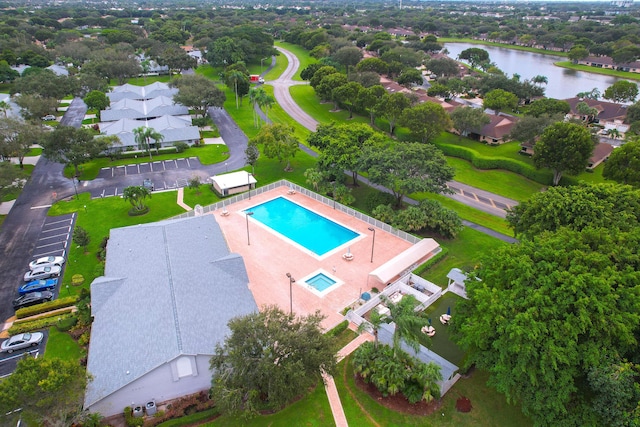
pixel 408 322
pixel 614 133
pixel 4 106
pixel 253 98
pixel 375 320
pixel 136 196
pixel 540 80
pixel 234 77
pixel 265 103
pixel 144 135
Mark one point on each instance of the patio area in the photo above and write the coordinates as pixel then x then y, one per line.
pixel 269 257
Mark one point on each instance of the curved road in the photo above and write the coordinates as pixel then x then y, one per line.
pixel 474 197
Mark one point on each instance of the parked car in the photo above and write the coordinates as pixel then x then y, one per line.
pixel 32 298
pixel 20 341
pixel 148 184
pixel 38 285
pixel 49 117
pixel 42 273
pixel 47 261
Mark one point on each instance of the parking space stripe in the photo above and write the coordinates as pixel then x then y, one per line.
pixel 53 237
pixel 57 228
pixel 56 222
pixel 50 244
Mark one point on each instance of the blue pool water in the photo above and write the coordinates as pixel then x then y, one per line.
pixel 320 282
pixel 308 229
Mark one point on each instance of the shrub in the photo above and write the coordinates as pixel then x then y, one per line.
pixel 431 262
pixel 34 325
pixel 181 146
pixel 47 306
pixel 135 212
pixel 67 323
pixel 378 198
pixel 338 329
pixel 130 420
pixel 102 252
pixel 84 339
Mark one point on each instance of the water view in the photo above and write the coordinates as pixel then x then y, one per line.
pixel 563 83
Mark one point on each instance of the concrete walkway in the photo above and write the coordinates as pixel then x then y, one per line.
pixel 181 200
pixel 330 385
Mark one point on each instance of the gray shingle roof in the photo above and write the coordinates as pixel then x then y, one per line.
pixel 129 91
pixel 169 289
pixel 172 128
pixel 150 108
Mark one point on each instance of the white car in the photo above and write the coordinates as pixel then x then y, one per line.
pixel 47 261
pixel 20 341
pixel 49 117
pixel 42 273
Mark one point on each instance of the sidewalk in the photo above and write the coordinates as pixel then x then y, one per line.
pixel 330 385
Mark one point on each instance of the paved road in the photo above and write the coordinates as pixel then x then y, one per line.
pixel 474 197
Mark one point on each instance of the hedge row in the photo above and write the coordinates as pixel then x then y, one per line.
pixel 47 306
pixel 337 330
pixel 544 177
pixel 430 263
pixel 41 323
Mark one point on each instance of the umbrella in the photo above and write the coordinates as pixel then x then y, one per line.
pixel 449 311
pixel 348 250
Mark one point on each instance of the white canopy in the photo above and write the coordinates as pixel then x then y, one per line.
pixel 233 180
pixel 419 252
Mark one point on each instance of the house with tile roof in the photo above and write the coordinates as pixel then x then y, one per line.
pixel 497 130
pixel 607 63
pixel 608 112
pixel 140 110
pixel 173 129
pixel 168 292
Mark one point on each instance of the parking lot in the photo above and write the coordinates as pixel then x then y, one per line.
pixel 8 362
pixel 55 236
pixel 160 166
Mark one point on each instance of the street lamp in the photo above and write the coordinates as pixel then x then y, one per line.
pixel 291 281
pixel 247 215
pixel 373 244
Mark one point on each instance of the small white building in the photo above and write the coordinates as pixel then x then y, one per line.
pixel 233 183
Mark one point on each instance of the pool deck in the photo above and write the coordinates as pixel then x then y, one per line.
pixel 269 257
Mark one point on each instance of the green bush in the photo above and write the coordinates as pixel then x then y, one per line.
pixel 130 420
pixel 47 306
pixel 338 329
pixel 67 323
pixel 544 177
pixel 431 262
pixel 378 198
pixel 34 325
pixel 181 146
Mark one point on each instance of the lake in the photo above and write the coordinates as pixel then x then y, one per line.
pixel 563 83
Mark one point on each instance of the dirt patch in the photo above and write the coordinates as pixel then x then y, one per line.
pixel 463 404
pixel 398 403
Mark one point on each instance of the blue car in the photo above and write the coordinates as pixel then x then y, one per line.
pixel 38 285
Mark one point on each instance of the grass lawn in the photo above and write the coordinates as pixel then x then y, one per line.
pixel 306 98
pixel 142 81
pixel 278 69
pixel 208 155
pixel 441 343
pixel 594 177
pixel 510 150
pixel 35 151
pixel 504 183
pixel 464 252
pixel 278 115
pixel 102 215
pixel 301 53
pixel 207 70
pixel 312 410
pixel 203 196
pixel 489 407
pixel 60 345
pixel 596 70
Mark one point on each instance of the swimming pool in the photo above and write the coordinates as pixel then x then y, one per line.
pixel 306 228
pixel 320 282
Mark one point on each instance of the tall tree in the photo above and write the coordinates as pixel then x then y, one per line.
pixel 17 137
pixel 623 165
pixel 529 128
pixel 563 147
pixel 369 98
pixel 278 142
pixel 143 136
pixel 73 146
pixel 391 106
pixel 347 95
pixel 349 56
pixel 96 100
pixel 234 78
pixel 544 312
pixel 198 93
pixel 225 51
pixel 408 323
pixel 500 100
pixel 288 355
pixel 33 107
pixel 475 56
pixel 48 390
pixel 425 121
pixel 622 91
pixel 576 207
pixel 407 168
pixel 468 119
pixel 176 59
pixel 10 178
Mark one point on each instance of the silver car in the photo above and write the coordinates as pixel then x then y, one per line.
pixel 21 341
pixel 42 273
pixel 47 261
